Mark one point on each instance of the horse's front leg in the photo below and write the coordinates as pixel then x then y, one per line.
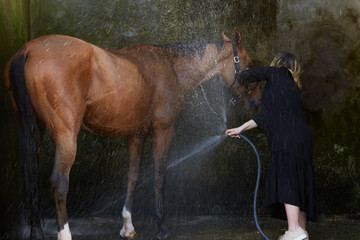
pixel 161 144
pixel 134 149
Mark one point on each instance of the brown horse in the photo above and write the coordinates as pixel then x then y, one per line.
pixel 62 83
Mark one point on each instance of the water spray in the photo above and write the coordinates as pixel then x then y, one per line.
pixel 257 185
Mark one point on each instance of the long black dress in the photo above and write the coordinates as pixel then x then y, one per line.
pixel 290 176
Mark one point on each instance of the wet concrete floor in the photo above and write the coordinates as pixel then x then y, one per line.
pixel 208 228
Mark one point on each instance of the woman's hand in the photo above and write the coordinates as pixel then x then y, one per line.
pixel 233 132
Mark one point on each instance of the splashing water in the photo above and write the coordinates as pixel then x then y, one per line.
pixel 223 112
pixel 217 117
pixel 199 149
pixel 211 141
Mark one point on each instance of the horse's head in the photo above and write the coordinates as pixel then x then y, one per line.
pixel 248 95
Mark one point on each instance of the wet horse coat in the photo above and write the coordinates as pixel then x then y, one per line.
pixel 61 84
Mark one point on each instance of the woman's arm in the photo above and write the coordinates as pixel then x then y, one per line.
pixel 234 132
pixel 253 75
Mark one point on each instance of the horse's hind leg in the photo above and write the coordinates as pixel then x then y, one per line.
pixel 134 148
pixel 65 152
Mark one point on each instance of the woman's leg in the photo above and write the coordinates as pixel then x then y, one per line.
pixel 302 220
pixel 293 217
pixel 296 223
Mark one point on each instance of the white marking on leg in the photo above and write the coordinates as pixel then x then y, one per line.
pixel 65 233
pixel 128 228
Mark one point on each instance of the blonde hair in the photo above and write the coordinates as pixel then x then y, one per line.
pixel 288 60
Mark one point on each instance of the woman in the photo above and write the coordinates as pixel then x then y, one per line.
pixel 290 176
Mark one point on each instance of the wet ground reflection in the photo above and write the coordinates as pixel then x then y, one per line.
pixel 208 228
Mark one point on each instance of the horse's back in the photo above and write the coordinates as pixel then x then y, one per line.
pixel 71 81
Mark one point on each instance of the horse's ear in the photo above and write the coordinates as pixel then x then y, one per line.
pixel 226 39
pixel 237 37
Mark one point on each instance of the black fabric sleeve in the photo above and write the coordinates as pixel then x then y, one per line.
pixel 253 75
pixel 260 119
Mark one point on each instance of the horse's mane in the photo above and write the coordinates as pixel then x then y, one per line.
pixel 189 49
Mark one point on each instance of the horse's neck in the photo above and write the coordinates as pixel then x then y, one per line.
pixel 193 71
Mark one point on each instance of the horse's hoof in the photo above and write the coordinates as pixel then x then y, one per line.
pixel 163 233
pixel 131 235
pixel 125 235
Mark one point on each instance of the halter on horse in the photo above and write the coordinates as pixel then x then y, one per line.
pixel 248 89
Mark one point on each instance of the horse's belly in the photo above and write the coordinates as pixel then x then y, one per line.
pixel 115 119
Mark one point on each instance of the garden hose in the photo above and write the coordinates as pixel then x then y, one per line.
pixel 257 185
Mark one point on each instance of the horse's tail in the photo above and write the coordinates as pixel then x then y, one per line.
pixel 29 142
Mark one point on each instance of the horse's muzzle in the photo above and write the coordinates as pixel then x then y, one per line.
pixel 234 99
